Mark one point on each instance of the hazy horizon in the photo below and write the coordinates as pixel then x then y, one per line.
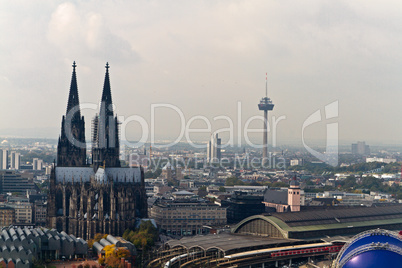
pixel 204 57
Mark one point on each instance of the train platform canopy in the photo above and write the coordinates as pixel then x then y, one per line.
pixel 229 243
pixel 322 223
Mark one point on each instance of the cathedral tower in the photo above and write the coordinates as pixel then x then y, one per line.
pixel 71 148
pixel 105 137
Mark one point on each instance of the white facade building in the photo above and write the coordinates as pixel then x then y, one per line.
pixel 3 159
pixel 381 160
pixel 214 149
pixel 37 164
pixel 15 160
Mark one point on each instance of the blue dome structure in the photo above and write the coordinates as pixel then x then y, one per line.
pixel 371 249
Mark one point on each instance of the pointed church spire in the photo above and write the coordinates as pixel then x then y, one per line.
pixel 106 94
pixel 73 100
pixel 71 150
pixel 105 137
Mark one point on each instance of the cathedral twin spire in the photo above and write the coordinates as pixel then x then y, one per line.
pixel 105 139
pixel 73 100
pixel 72 147
pixel 106 93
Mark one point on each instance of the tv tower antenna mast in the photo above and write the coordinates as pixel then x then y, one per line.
pixel 265 105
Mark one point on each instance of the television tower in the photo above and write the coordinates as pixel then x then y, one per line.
pixel 265 105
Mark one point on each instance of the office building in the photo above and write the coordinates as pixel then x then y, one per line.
pixel 3 159
pixel 242 205
pixel 13 182
pixel 214 149
pixel 360 148
pixel 187 217
pixel 23 211
pixel 15 160
pixel 37 164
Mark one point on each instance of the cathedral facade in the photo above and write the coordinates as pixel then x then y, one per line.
pixel 102 197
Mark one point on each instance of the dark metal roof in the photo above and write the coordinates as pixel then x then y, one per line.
pixel 331 216
pixel 276 196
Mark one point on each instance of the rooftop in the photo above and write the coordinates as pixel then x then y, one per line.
pixel 323 223
pixel 340 216
pixel 228 243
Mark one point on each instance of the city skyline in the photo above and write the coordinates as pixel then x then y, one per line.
pixel 204 58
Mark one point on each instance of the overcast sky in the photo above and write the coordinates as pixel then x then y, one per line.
pixel 204 57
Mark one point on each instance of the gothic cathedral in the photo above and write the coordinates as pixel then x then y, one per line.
pixel 103 197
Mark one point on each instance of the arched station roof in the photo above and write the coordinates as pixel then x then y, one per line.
pixel 275 222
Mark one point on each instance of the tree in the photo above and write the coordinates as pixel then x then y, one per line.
pixel 254 183
pixel 231 181
pixel 279 184
pixel 123 253
pixel 109 250
pixel 126 233
pixel 96 238
pixel 113 256
pixel 143 237
pixel 349 183
pixel 113 262
pixel 309 182
pixel 222 189
pixel 101 261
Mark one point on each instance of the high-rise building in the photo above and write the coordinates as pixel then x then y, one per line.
pixel 37 164
pixel 360 148
pixel 214 149
pixel 15 160
pixel 104 198
pixel 4 159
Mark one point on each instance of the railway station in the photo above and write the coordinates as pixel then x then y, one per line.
pixel 267 240
pixel 322 223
